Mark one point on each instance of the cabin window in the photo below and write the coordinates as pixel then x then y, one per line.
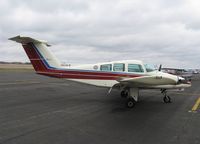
pixel 106 67
pixel 120 67
pixel 135 68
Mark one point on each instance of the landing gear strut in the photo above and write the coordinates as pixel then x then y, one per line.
pixel 166 98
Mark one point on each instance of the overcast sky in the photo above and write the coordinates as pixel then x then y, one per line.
pixel 90 31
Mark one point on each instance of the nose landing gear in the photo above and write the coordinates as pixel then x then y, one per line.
pixel 166 98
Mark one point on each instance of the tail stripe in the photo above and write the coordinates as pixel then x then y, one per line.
pixel 34 58
pixel 41 57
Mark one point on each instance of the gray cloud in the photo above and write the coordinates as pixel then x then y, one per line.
pixel 156 31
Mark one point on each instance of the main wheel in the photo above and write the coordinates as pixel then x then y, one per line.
pixel 124 93
pixel 130 102
pixel 167 99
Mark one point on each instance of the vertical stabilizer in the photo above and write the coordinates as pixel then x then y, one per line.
pixel 39 53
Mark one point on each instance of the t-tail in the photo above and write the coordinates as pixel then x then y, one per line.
pixel 39 54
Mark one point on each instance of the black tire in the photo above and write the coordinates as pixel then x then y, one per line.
pixel 167 99
pixel 130 103
pixel 124 93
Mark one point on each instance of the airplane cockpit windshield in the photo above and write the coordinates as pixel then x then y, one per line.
pixel 150 67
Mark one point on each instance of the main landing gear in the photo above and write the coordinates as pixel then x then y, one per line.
pixel 130 102
pixel 132 96
pixel 124 93
pixel 166 98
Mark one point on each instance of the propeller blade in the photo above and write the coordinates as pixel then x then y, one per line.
pixel 160 68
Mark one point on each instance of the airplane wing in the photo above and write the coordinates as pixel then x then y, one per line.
pixel 143 81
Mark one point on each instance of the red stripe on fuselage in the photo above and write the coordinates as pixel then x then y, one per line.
pixel 82 75
pixel 41 68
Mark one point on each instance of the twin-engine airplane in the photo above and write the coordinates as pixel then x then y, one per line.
pixel 128 76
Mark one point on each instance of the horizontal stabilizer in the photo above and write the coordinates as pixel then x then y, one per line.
pixel 25 40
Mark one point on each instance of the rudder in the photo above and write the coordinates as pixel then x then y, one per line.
pixel 39 54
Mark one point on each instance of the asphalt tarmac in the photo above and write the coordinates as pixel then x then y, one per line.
pixel 41 110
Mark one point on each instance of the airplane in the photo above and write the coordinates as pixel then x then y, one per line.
pixel 128 76
pixel 179 72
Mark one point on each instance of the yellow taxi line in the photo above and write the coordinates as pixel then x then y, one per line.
pixel 196 105
pixel 187 94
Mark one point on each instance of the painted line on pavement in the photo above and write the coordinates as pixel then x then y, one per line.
pixel 196 105
pixel 18 83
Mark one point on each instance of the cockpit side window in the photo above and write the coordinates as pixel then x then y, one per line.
pixel 149 67
pixel 135 68
pixel 106 67
pixel 120 67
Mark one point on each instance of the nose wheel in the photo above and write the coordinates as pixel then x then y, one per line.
pixel 166 98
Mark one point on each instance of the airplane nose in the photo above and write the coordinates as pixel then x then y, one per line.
pixel 181 78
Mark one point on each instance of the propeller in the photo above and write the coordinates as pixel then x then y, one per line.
pixel 182 80
pixel 160 67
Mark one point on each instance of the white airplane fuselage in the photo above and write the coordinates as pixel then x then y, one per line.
pixel 158 82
